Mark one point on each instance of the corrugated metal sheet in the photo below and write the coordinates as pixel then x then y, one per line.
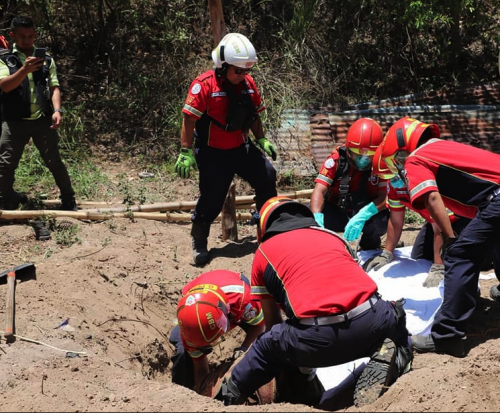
pixel 470 115
pixel 294 144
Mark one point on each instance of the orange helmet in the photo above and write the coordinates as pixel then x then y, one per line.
pixel 276 206
pixel 363 138
pixel 402 139
pixel 203 315
pixel 379 167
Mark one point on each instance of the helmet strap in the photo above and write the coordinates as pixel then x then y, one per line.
pixel 400 138
pixel 221 71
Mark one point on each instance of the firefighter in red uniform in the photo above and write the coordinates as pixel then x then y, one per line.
pixel 221 107
pixel 427 244
pixel 446 175
pixel 212 305
pixel 334 313
pixel 347 197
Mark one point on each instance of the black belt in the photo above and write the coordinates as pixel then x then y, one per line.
pixel 493 194
pixel 340 318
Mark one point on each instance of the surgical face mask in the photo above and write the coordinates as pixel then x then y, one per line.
pixel 362 161
pixel 397 182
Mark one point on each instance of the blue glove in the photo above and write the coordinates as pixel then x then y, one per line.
pixel 184 163
pixel 320 219
pixel 355 226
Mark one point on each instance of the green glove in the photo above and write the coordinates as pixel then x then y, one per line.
pixel 268 148
pixel 354 227
pixel 184 163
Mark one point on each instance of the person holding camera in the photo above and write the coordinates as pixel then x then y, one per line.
pixel 221 108
pixel 30 109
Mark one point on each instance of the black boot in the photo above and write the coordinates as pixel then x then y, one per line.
pixel 41 231
pixel 231 394
pixel 68 204
pixel 199 233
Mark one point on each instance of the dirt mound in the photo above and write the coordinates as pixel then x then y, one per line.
pixel 101 310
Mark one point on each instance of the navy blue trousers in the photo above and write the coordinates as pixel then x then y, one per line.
pixel 423 247
pixel 462 264
pixel 217 169
pixel 287 345
pixel 375 228
pixel 182 363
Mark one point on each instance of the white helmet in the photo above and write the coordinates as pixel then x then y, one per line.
pixel 236 50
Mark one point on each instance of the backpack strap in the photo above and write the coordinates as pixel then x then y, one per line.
pixel 342 173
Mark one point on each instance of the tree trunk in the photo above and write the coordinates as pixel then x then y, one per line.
pixel 217 17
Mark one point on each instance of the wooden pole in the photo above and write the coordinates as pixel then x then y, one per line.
pixel 229 223
pixel 217 17
pixel 242 202
pixel 229 226
pixel 95 216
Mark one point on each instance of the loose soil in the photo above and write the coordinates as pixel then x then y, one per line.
pixel 112 296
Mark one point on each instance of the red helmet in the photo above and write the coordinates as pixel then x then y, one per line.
pixel 203 315
pixel 402 139
pixel 364 137
pixel 379 167
pixel 276 206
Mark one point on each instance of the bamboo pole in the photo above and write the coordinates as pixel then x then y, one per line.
pixel 242 202
pixel 142 211
pixel 96 216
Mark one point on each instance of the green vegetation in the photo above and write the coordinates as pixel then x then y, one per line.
pixel 125 67
pixel 412 218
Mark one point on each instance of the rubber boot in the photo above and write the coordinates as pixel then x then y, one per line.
pixel 41 231
pixel 199 234
pixel 68 203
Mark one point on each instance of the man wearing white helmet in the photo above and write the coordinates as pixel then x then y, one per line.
pixel 221 108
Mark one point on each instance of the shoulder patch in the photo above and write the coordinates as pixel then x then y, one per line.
pixel 330 163
pixel 196 89
pixel 249 313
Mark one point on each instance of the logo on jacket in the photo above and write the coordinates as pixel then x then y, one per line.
pixel 196 89
pixel 330 163
pixel 249 313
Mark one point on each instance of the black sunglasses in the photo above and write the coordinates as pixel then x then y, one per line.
pixel 240 71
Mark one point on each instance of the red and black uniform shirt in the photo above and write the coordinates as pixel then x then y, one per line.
pixel 463 175
pixel 327 176
pixel 242 307
pixel 398 199
pixel 309 273
pixel 207 95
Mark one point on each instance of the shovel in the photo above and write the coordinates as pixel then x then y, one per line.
pixel 24 271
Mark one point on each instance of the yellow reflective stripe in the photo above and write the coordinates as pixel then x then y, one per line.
pixel 257 319
pixel 193 111
pixel 395 204
pixel 326 180
pixel 195 354
pixel 233 289
pixel 263 215
pixel 363 151
pixel 422 186
pixel 260 290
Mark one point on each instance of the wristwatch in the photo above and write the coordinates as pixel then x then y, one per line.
pixel 58 110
